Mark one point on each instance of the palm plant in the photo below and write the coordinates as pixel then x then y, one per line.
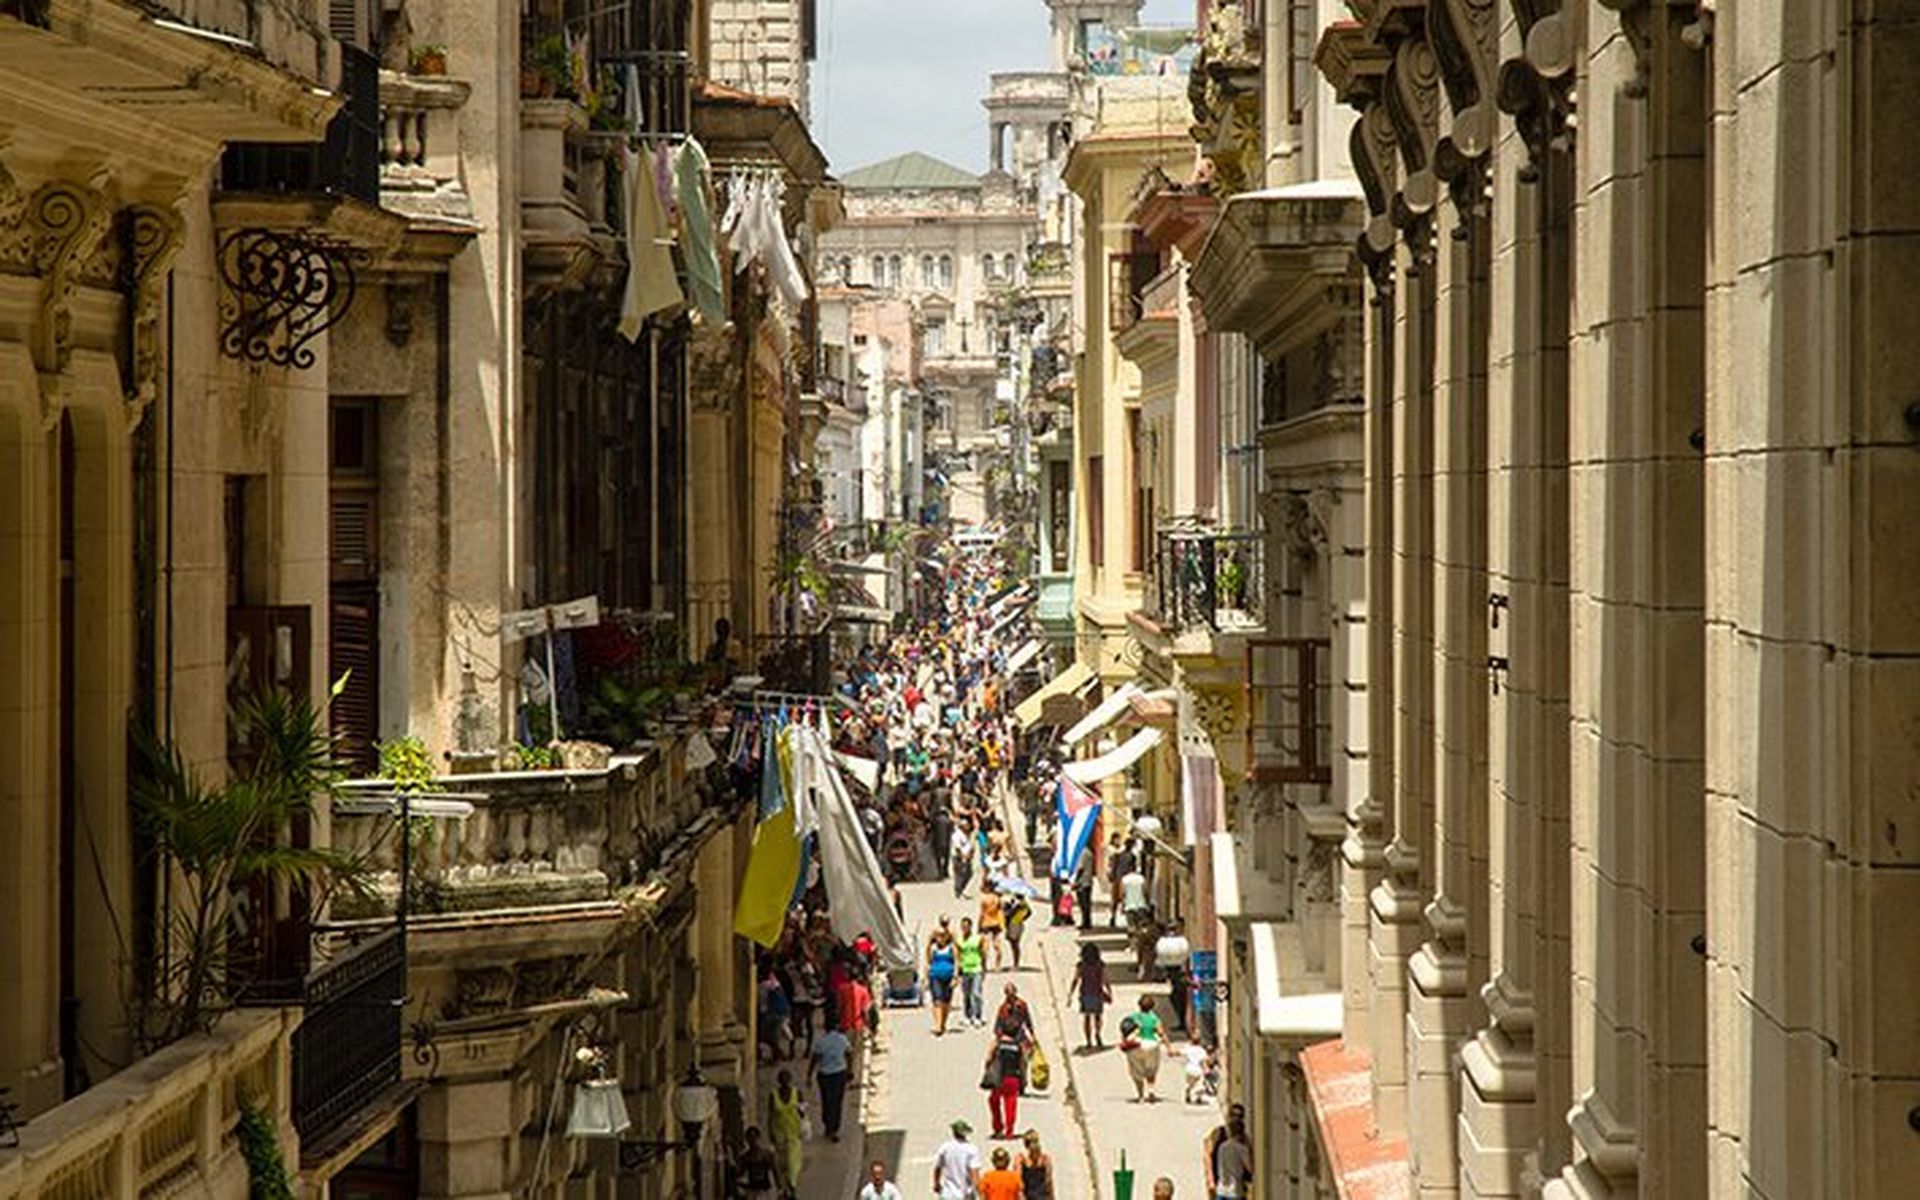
pixel 217 840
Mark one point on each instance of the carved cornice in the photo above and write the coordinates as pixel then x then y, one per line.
pixel 66 223
pixel 1465 36
pixel 1413 106
pixel 1536 88
pixel 1637 19
pixel 1224 90
pixel 153 236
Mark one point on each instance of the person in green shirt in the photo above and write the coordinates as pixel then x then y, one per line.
pixel 973 974
pixel 1140 1042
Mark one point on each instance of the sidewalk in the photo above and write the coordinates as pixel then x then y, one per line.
pixel 1160 1139
pixel 830 1170
pixel 923 1083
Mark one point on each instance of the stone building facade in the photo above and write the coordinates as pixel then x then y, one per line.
pixel 208 486
pixel 1622 868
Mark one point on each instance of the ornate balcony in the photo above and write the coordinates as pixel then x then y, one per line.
pixel 1208 580
pixel 167 1125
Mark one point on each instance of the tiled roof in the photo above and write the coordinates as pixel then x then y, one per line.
pixel 912 171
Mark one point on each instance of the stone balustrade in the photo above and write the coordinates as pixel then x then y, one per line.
pixel 164 1126
pixel 420 171
pixel 534 838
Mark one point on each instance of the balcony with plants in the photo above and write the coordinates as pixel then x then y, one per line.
pixel 1208 580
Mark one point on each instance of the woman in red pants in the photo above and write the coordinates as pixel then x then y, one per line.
pixel 1005 1071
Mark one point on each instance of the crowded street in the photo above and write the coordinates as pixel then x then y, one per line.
pixel 971 895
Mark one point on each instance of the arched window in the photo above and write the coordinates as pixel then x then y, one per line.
pixel 879 271
pixel 989 267
pixel 1010 273
pixel 893 270
pixel 926 271
pixel 946 272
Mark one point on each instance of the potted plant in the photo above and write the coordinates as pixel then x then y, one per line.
pixel 545 71
pixel 217 839
pixel 430 59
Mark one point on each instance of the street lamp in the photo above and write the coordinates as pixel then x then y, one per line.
pixel 694 1102
pixel 1147 825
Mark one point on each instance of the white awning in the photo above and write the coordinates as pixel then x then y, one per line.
pixel 1103 715
pixel 1021 657
pixel 1076 676
pixel 1093 770
pixel 865 770
pixel 1303 1016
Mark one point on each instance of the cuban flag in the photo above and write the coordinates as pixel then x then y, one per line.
pixel 1079 810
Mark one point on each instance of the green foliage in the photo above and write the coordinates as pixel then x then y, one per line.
pixel 405 762
pixel 215 839
pixel 260 1147
pixel 526 757
pixel 620 712
pixel 799 572
pixel 548 56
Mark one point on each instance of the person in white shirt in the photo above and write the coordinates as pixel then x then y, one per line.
pixel 879 1187
pixel 956 1168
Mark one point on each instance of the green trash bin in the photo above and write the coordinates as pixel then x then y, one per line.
pixel 1122 1180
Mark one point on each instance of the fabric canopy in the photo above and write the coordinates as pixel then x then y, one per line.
pixel 1093 770
pixel 1103 715
pixel 1021 657
pixel 865 770
pixel 1072 679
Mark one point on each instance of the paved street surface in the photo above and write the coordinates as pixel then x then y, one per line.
pixel 917 1083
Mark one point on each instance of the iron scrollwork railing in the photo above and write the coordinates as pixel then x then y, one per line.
pixel 1208 579
pixel 347 1048
pixel 284 289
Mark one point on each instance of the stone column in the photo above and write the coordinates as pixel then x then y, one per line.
pixel 1498 1122
pixel 1637 712
pixel 29 807
pixel 1373 831
pixel 469 1134
pixel 1813 633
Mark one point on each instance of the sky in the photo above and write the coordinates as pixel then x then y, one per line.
pixel 900 75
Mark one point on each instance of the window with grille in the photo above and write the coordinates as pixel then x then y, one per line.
pixel 1289 733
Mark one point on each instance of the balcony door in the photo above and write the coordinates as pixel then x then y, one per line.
pixel 353 598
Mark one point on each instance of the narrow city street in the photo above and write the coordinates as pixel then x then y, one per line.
pixel 918 1084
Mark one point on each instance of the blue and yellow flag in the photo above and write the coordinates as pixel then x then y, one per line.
pixel 773 865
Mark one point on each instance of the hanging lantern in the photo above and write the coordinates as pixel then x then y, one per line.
pixel 599 1110
pixel 1171 951
pixel 1147 825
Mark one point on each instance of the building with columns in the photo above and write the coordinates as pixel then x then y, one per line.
pixel 1625 849
pixel 310 371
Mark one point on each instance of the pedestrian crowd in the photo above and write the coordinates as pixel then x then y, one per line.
pixel 928 711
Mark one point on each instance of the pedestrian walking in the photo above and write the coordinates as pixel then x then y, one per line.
pixel 956 1165
pixel 832 1068
pixel 1017 912
pixel 993 919
pixel 1083 890
pixel 879 1187
pixel 1002 1182
pixel 754 1167
pixel 961 853
pixel 973 974
pixel 1090 982
pixel 1140 1041
pixel 1036 1169
pixel 1230 1160
pixel 786 1113
pixel 943 959
pixel 1119 866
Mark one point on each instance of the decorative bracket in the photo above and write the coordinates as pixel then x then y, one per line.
pixel 153 237
pixel 66 222
pixel 284 289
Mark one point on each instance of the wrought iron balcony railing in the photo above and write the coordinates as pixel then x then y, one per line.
pixel 346 1051
pixel 1208 579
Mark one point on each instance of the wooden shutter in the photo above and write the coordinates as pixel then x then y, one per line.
pixel 353 648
